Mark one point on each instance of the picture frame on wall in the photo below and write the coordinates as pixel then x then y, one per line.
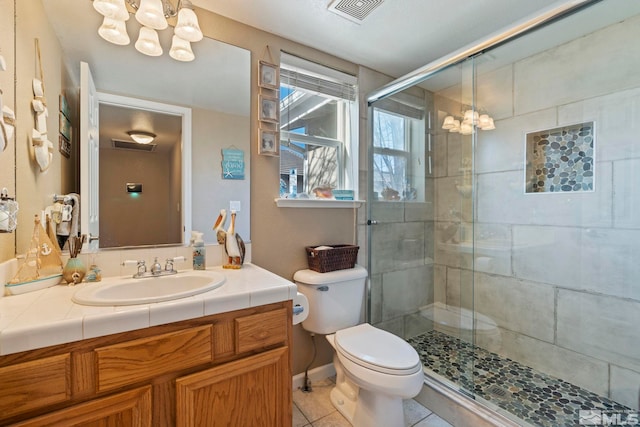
pixel 64 146
pixel 268 76
pixel 65 126
pixel 268 142
pixel 269 110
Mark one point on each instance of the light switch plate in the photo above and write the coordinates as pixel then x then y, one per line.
pixel 234 205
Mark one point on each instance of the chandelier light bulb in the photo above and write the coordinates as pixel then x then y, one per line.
pixel 471 117
pixel 151 14
pixel 187 27
pixel 490 125
pixel 181 50
pixel 114 31
pixel 148 42
pixel 448 123
pixel 466 129
pixel 114 9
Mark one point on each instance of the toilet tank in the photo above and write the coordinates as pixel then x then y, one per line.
pixel 335 298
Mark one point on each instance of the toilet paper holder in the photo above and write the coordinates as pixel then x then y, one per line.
pixel 300 308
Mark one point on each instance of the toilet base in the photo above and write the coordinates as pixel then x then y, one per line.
pixel 369 409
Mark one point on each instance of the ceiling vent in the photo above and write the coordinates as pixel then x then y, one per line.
pixel 354 10
pixel 128 145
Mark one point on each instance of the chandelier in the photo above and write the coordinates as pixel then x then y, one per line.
pixel 152 15
pixel 466 123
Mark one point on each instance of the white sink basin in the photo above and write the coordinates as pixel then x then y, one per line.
pixel 148 290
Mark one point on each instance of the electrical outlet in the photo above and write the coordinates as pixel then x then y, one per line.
pixel 234 205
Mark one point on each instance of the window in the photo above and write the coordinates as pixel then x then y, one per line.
pixel 390 154
pixel 318 128
pixel 399 148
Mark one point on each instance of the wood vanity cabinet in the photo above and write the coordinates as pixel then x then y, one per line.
pixel 229 369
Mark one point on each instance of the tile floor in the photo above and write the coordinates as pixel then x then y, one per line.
pixel 315 409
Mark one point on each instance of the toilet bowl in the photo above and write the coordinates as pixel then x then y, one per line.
pixel 379 371
pixel 375 369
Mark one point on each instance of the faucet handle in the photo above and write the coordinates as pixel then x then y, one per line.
pixel 169 263
pixel 131 262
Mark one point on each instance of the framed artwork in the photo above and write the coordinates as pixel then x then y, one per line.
pixel 64 146
pixel 268 76
pixel 269 109
pixel 64 106
pixel 65 127
pixel 268 142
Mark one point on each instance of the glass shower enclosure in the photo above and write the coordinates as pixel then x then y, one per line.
pixel 504 219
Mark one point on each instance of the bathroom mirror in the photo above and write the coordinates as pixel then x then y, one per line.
pixel 215 87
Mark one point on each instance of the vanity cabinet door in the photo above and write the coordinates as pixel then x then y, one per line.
pixel 31 385
pixel 253 391
pixel 130 408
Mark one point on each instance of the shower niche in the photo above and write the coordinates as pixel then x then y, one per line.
pixel 560 159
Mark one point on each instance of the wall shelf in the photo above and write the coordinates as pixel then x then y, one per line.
pixel 318 203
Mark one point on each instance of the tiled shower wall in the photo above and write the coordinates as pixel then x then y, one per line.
pixel 557 272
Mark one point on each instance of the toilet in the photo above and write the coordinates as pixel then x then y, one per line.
pixel 375 370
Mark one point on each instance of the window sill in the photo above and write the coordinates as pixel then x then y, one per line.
pixel 318 203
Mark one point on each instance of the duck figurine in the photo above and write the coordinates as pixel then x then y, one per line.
pixel 234 245
pixel 218 227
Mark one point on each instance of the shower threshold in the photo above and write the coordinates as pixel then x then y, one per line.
pixel 531 396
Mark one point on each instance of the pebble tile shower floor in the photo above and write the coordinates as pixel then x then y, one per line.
pixel 532 396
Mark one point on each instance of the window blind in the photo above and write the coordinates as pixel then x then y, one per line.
pixel 314 77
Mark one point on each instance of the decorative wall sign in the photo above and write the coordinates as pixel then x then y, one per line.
pixel 232 163
pixel 561 159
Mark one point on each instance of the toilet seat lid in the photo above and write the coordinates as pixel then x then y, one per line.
pixel 378 350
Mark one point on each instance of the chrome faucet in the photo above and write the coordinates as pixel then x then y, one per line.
pixel 156 268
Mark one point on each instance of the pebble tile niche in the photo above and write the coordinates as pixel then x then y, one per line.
pixel 560 159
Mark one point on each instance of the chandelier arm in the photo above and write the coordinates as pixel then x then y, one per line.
pixel 134 4
pixel 169 10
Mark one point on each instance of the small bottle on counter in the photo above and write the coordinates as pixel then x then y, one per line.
pixel 199 251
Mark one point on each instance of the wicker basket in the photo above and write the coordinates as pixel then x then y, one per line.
pixel 340 257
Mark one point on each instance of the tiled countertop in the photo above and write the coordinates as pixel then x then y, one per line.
pixel 49 316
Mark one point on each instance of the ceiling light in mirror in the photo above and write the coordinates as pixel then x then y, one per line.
pixel 141 137
pixel 114 31
pixel 148 42
pixel 181 50
pixel 114 9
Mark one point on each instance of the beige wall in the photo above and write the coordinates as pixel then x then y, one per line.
pixel 7 157
pixel 213 131
pixel 35 189
pixel 127 220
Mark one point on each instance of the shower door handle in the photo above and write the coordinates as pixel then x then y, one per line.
pixel 372 222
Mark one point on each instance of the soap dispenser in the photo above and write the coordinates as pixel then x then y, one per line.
pixel 199 251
